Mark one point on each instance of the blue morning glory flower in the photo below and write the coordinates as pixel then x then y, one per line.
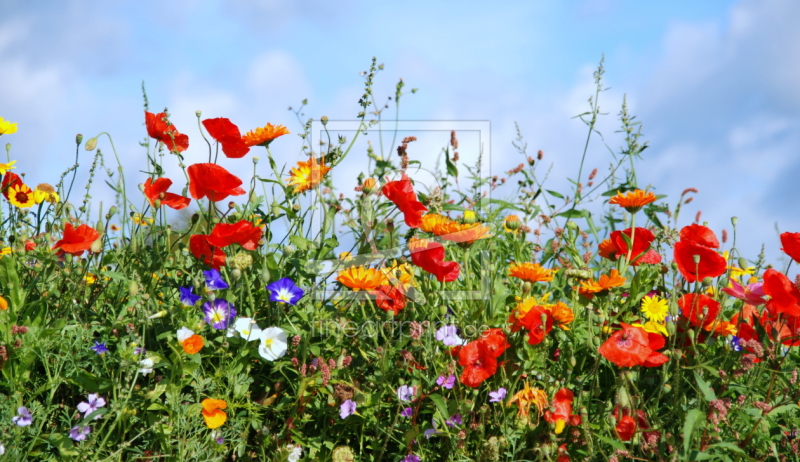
pixel 284 291
pixel 187 297
pixel 99 348
pixel 219 313
pixel 214 280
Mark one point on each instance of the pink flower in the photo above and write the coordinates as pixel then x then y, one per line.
pixel 752 294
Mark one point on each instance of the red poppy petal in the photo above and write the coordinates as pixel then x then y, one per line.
pixel 699 234
pixel 711 263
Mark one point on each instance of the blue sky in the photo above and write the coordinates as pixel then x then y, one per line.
pixel 714 82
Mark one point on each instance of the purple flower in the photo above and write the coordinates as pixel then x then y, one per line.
pixel 214 280
pixel 99 348
pixel 432 431
pixel 187 297
pixel 447 382
pixel 79 433
pixel 406 393
pixel 347 408
pixel 454 420
pixel 735 345
pixel 752 294
pixel 24 418
pixel 497 396
pixel 284 291
pixel 219 313
pixel 407 412
pixel 94 403
pixel 139 351
pixel 411 458
pixel 449 336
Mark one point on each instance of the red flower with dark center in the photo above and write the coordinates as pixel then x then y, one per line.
pixel 390 298
pixel 626 427
pixel 242 232
pixel 202 250
pixel 539 323
pixel 791 245
pixel 478 361
pixel 562 409
pixel 711 263
pixel 429 256
pixel 213 181
pixel 495 339
pixel 157 190
pixel 699 234
pixel 633 346
pixel 10 180
pixel 641 239
pixel 784 295
pixel 161 130
pixel 228 135
pixel 699 309
pixel 76 240
pixel 402 194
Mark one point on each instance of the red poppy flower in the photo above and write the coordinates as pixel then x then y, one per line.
pixel 711 263
pixel 76 240
pixel 495 339
pixel 228 135
pixel 402 194
pixel 626 427
pixel 562 410
pixel 157 190
pixel 699 234
pixel 30 245
pixel 202 250
pixel 213 181
pixel 791 245
pixel 699 309
pixel 641 253
pixel 161 130
pixel 784 295
pixel 429 256
pixel 633 346
pixel 478 361
pixel 390 298
pixel 10 180
pixel 539 323
pixel 242 232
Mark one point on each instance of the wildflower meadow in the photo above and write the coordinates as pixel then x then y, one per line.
pixel 285 316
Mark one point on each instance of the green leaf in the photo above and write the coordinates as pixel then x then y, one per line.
pixel 10 279
pixel 708 393
pixel 555 194
pixel 573 214
pixel 688 427
pixel 440 404
pixel 781 409
pixel 451 167
pixel 300 242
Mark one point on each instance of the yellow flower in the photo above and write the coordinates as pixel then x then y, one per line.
pixel 654 308
pixel 90 278
pixel 307 175
pixel 654 327
pixel 21 196
pixel 532 272
pixel 6 167
pixel 402 274
pixel 346 257
pixel 263 136
pixel 361 278
pixel 141 220
pixel 526 397
pixel 213 412
pixel 45 192
pixel 7 128
pixel 5 251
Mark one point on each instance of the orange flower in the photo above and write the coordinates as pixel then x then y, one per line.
pixel 3 303
pixel 532 272
pixel 192 344
pixel 607 249
pixel 361 278
pixel 562 314
pixel 526 397
pixel 633 201
pixel 512 224
pixel 307 175
pixel 436 224
pixel 467 233
pixel 213 412
pixel 604 283
pixel 263 136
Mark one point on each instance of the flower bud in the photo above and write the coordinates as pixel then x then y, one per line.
pixel 78 139
pixel 265 276
pixel 369 186
pixel 707 282
pixel 231 205
pixel 296 207
pixel 324 120
pixel 111 212
pixel 742 263
pixel 97 246
pixel 512 222
pixel 236 273
pixel 133 288
pixel 734 221
pixel 91 143
pixel 526 287
pixel 469 217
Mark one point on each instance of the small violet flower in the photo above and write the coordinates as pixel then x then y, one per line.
pixel 407 412
pixel 432 431
pixel 411 458
pixel 79 433
pixel 214 280
pixel 454 420
pixel 219 313
pixel 94 403
pixel 497 396
pixel 285 291
pixel 99 348
pixel 347 408
pixel 187 297
pixel 446 382
pixel 406 393
pixel 24 418
pixel 449 336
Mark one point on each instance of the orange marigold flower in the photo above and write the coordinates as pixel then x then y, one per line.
pixel 526 397
pixel 633 201
pixel 213 412
pixel 467 233
pixel 532 272
pixel 361 278
pixel 607 249
pixel 263 136
pixel 3 303
pixel 307 175
pixel 192 344
pixel 722 328
pixel 436 224
pixel 605 282
pixel 562 314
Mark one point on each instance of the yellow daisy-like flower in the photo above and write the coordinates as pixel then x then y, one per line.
pixel 213 412
pixel 437 224
pixel 307 175
pixel 45 192
pixel 654 327
pixel 526 397
pixel 5 251
pixel 6 167
pixel 142 220
pixel 633 201
pixel 654 308
pixel 346 257
pixel 90 278
pixel 21 196
pixel 263 136
pixel 532 272
pixel 361 278
pixel 7 128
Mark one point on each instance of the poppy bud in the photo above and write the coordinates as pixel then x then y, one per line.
pixel 256 159
pixel 195 218
pixel 526 287
pixel 596 341
pixel 734 221
pixel 78 139
pixel 742 262
pixel 211 296
pixel 265 276
pixel 111 212
pixel 91 143
pixel 707 282
pixel 276 209
pixel 97 246
pixel 666 388
pixel 572 361
pixel 389 225
pixel 236 273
